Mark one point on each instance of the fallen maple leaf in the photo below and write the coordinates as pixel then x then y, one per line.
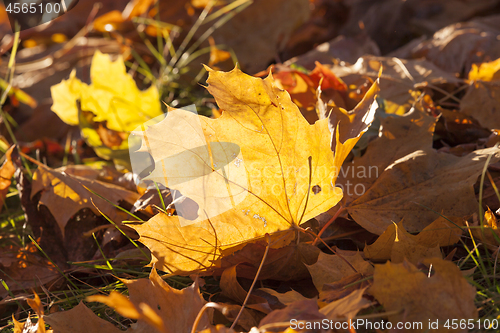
pixel 414 187
pixel 259 168
pixel 442 293
pixel 157 306
pixel 112 99
pixel 396 244
pixel 64 195
pixel 79 319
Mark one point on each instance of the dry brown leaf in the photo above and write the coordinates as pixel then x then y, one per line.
pixel 418 185
pixel 392 23
pixel 177 308
pixel 259 168
pixel 456 47
pixel 398 137
pixel 7 171
pixel 65 195
pixel 482 103
pixel 152 301
pixel 332 268
pixel 259 32
pixel 24 269
pixel 283 264
pixel 346 307
pixel 399 76
pixel 403 288
pixel 396 244
pixel 343 48
pixel 80 319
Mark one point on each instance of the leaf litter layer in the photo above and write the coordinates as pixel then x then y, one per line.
pixel 424 195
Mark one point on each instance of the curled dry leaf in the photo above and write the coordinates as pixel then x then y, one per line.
pixel 414 187
pixel 445 294
pixel 332 268
pixel 259 168
pixel 64 195
pixel 396 244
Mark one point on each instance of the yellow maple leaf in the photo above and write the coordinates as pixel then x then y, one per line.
pixel 258 169
pixel 112 97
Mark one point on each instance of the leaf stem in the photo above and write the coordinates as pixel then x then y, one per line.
pixel 334 217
